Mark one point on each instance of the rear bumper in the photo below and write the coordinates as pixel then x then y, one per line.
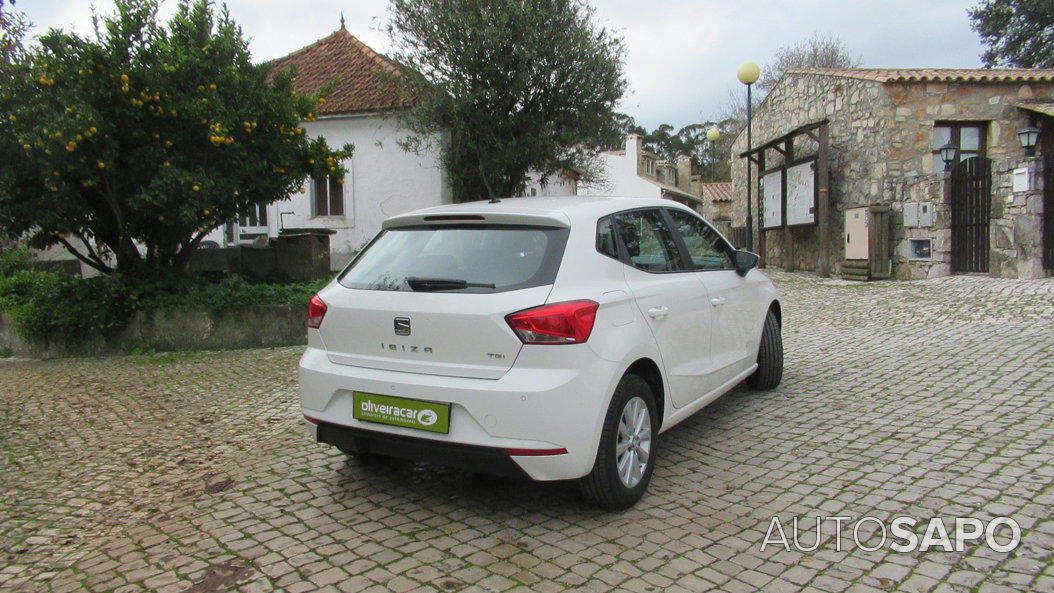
pixel 553 398
pixel 487 460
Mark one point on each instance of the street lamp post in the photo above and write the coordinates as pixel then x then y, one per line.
pixel 748 74
pixel 713 135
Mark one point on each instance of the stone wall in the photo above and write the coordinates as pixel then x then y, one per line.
pixel 931 190
pixel 256 326
pixel 881 151
pixel 1016 222
pixel 297 256
pixel 918 106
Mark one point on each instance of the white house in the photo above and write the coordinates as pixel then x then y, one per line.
pixel 382 178
pixel 637 173
pixel 564 183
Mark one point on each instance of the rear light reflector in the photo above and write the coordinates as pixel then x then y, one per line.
pixel 535 452
pixel 569 322
pixel 310 419
pixel 316 310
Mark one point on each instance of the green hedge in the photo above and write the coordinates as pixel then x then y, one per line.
pixel 52 306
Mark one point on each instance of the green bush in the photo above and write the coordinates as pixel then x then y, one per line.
pixel 13 260
pixel 49 306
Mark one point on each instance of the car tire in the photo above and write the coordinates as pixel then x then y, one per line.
pixel 606 486
pixel 770 356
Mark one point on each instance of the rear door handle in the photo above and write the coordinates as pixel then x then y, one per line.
pixel 656 312
pixel 717 301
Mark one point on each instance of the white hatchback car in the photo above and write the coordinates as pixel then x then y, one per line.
pixel 552 338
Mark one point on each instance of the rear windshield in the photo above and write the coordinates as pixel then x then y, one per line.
pixel 476 259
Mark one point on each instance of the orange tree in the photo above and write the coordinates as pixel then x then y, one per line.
pixel 129 146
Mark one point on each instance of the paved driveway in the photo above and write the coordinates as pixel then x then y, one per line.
pixel 191 472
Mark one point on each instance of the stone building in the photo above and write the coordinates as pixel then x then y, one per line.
pixel 884 129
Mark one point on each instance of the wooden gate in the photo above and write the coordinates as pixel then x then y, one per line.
pixel 1048 213
pixel 971 207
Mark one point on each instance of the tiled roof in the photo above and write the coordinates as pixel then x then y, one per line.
pixel 354 68
pixel 720 191
pixel 935 74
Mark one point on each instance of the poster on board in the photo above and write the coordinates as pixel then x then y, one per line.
pixel 801 194
pixel 772 200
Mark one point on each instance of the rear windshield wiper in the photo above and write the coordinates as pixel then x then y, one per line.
pixel 435 284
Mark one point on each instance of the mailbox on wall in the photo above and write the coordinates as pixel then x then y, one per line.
pixel 918 214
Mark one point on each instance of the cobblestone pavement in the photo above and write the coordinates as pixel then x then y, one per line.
pixel 190 473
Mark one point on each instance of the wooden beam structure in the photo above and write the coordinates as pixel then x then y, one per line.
pixel 817 131
pixel 823 166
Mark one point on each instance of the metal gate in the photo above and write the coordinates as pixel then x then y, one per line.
pixel 971 207
pixel 1048 213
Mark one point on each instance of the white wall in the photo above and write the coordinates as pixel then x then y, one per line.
pixel 558 184
pixel 382 180
pixel 620 175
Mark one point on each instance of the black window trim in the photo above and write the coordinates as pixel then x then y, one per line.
pixel 955 128
pixel 614 236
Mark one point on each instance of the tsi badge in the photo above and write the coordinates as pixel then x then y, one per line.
pixel 402 326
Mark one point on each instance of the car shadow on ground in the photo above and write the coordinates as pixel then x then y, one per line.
pixel 424 483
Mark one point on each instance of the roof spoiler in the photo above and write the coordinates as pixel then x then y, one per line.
pixel 550 219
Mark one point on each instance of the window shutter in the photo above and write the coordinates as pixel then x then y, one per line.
pixel 336 197
pixel 321 201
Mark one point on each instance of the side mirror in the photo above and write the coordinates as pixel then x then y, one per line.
pixel 744 261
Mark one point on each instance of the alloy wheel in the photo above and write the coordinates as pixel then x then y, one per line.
pixel 633 445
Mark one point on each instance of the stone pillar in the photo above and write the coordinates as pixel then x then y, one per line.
pixel 1016 229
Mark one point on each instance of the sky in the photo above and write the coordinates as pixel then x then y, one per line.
pixel 681 55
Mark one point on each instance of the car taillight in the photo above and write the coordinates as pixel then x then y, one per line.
pixel 560 323
pixel 316 310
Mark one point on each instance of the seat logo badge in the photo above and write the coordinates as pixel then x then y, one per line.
pixel 402 326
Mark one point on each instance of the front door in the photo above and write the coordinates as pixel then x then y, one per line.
pixel 971 206
pixel 673 302
pixel 733 308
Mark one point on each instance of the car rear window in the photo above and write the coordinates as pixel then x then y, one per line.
pixel 484 258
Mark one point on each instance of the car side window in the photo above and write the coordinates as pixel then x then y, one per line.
pixel 606 238
pixel 648 240
pixel 706 248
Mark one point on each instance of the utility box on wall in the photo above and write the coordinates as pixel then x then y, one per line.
pixel 866 239
pixel 918 214
pixel 857 221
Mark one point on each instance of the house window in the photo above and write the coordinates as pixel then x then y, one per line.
pixel 256 216
pixel 328 196
pixel 969 139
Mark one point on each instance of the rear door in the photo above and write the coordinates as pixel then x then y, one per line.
pixel 673 302
pixel 432 299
